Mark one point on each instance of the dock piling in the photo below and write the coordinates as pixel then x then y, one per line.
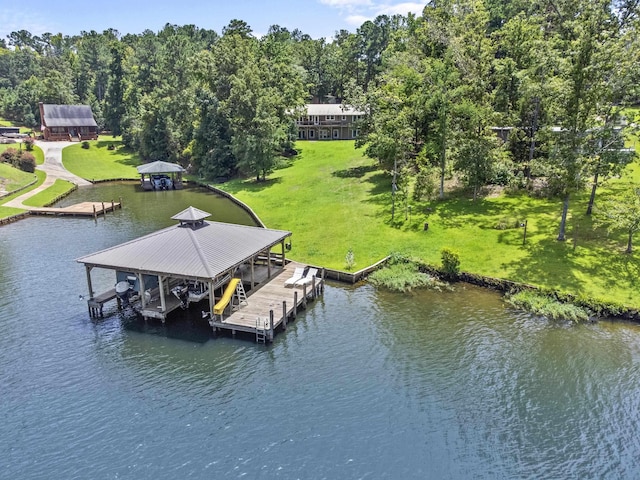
pixel 295 304
pixel 271 325
pixel 304 296
pixel 284 314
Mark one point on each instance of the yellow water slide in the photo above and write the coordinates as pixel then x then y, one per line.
pixel 219 307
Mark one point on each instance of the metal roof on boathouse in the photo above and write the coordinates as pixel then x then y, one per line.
pixel 195 248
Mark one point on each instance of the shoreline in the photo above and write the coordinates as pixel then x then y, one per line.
pixel 605 309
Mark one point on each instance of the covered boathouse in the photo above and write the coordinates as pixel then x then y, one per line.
pixel 198 259
pixel 161 175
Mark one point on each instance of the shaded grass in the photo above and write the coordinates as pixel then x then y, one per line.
pixel 334 199
pixel 8 123
pixel 50 194
pixel 12 178
pixel 99 163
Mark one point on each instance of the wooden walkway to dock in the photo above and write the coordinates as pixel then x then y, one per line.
pixel 270 306
pixel 84 209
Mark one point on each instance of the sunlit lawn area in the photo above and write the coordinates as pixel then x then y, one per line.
pixel 50 194
pixel 99 163
pixel 8 211
pixel 333 199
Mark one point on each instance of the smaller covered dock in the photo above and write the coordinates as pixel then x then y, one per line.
pixel 161 176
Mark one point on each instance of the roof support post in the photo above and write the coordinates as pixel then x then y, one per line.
pixel 212 301
pixel 282 245
pixel 269 263
pixel 161 289
pixel 142 297
pixel 253 283
pixel 89 285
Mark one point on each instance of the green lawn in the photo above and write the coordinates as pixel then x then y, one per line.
pixel 9 211
pixel 49 195
pixel 99 163
pixel 12 179
pixel 333 199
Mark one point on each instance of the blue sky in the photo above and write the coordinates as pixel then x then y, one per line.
pixel 318 18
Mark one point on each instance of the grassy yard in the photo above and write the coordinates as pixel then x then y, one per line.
pixel 12 179
pixel 99 163
pixel 333 199
pixel 50 194
pixel 9 211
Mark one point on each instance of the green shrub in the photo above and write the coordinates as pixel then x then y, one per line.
pixel 10 155
pixel 350 260
pixel 28 144
pixel 85 145
pixel 27 162
pixel 404 277
pixel 450 262
pixel 547 306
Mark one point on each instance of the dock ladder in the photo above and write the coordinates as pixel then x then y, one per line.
pixel 241 296
pixel 261 331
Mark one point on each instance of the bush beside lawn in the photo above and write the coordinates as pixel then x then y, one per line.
pixel 334 199
pixel 99 163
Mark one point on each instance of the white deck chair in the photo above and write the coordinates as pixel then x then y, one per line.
pixel 297 275
pixel 308 278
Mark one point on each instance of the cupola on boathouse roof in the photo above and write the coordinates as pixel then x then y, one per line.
pixel 191 216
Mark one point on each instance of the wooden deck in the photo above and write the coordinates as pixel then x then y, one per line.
pixel 270 306
pixel 85 209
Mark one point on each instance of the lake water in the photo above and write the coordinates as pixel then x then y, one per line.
pixel 364 384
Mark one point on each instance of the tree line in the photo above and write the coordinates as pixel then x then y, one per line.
pixel 224 103
pixel 555 75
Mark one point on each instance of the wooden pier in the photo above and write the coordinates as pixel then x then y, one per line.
pixel 84 209
pixel 96 304
pixel 270 306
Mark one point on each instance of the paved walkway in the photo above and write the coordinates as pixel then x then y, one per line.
pixel 54 169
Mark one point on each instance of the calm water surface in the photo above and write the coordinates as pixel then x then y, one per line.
pixel 365 384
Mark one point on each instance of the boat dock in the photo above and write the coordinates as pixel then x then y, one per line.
pixel 240 270
pixel 270 306
pixel 84 209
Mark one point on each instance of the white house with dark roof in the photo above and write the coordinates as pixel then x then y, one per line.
pixel 67 122
pixel 329 121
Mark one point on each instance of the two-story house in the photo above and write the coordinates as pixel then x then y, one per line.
pixel 328 121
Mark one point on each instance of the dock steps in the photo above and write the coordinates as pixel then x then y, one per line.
pixel 261 330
